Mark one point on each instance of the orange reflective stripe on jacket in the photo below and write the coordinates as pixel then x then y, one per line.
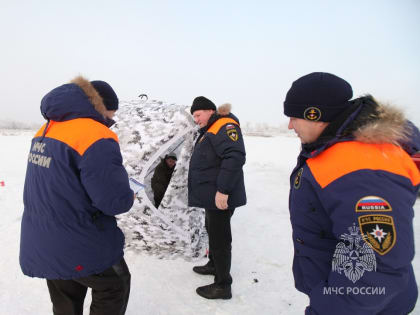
pixel 78 133
pixel 347 157
pixel 214 129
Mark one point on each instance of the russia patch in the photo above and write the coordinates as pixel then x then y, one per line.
pixel 379 232
pixel 230 126
pixel 372 203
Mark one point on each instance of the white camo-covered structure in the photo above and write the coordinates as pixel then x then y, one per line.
pixel 148 130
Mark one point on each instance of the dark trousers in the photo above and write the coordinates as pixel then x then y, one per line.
pixel 217 224
pixel 110 292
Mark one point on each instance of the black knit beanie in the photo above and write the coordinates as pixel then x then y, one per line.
pixel 318 96
pixel 107 93
pixel 171 156
pixel 201 102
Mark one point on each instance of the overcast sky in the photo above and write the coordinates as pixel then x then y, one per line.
pixel 244 52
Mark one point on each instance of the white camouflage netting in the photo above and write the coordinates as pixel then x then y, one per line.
pixel 147 131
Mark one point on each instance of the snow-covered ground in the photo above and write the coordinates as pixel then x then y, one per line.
pixel 262 245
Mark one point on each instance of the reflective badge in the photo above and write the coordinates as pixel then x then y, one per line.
pixel 298 179
pixel 233 134
pixel 312 114
pixel 372 203
pixel 379 232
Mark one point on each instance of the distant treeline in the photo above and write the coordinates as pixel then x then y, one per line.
pixel 263 129
pixel 11 124
pixel 248 128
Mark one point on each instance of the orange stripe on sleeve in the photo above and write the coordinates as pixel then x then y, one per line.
pixel 347 157
pixel 219 123
pixel 78 133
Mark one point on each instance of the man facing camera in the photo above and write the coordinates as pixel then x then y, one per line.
pixel 216 183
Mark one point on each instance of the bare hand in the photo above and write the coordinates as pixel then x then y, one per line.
pixel 221 201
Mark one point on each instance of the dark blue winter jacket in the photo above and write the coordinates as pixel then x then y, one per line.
pixel 216 164
pixel 75 184
pixel 351 209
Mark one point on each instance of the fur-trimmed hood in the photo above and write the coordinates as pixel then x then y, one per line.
pixel 224 109
pixel 91 93
pixel 368 121
pixel 379 123
pixel 77 99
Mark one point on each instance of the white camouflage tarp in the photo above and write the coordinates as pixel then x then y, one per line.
pixel 147 131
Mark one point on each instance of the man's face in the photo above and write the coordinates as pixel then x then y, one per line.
pixel 109 113
pixel 170 162
pixel 202 116
pixel 307 131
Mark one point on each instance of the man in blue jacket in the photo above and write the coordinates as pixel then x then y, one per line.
pixel 75 185
pixel 351 200
pixel 216 183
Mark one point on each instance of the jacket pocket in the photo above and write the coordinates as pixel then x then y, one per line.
pixel 208 176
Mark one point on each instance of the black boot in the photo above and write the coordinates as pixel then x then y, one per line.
pixel 207 269
pixel 214 291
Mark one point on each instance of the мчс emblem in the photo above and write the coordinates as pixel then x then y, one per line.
pixel 372 203
pixel 379 232
pixel 312 114
pixel 298 179
pixel 353 256
pixel 233 134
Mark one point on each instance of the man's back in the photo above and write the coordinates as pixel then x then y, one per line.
pixel 75 184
